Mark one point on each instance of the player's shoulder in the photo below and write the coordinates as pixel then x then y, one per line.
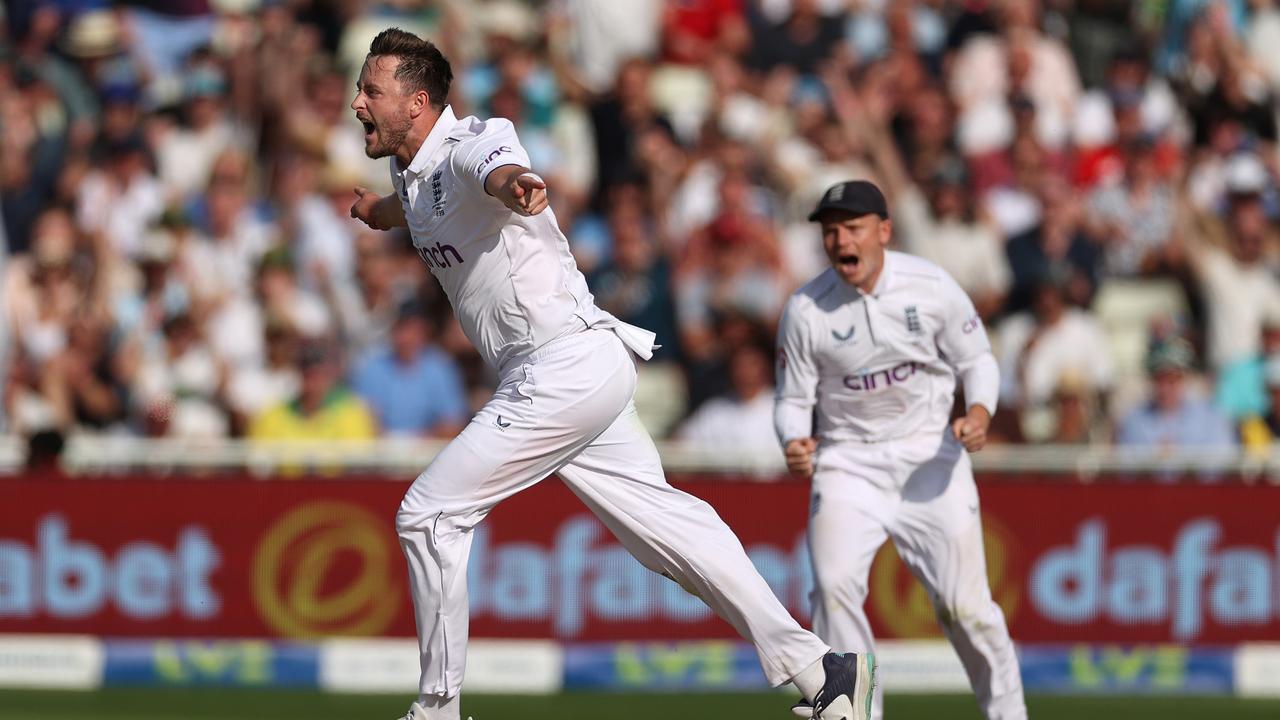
pixel 811 295
pixel 472 131
pixel 478 144
pixel 916 268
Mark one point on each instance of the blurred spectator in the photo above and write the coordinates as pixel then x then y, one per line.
pixel 1038 348
pixel 176 387
pixel 1174 418
pixel 940 222
pixel 238 234
pixel 1242 390
pixel 1075 413
pixel 365 312
pixel 591 39
pixel 323 409
pixel 1262 433
pixel 1059 247
pixel 707 373
pixel 185 153
pixel 27 405
pixel 742 418
pixel 251 389
pixel 411 386
pixel 801 38
pixel 732 265
pixel 86 379
pixel 1241 293
pixel 1020 60
pixel 1134 216
pixel 122 198
pixel 694 30
pixel 1263 37
pixel 175 180
pixel 635 285
pixel 44 288
pixel 620 122
pixel 876 29
pixel 279 295
pixel 169 31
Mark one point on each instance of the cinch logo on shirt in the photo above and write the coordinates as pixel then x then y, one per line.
pixel 438 256
pixel 882 378
pixel 502 150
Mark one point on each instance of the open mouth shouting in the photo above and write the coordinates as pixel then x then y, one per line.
pixel 847 262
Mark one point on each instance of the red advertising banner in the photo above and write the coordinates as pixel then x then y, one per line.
pixel 306 558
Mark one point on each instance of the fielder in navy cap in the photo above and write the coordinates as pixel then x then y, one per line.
pixel 858 197
pixel 856 229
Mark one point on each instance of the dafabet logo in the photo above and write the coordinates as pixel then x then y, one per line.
pixel 325 568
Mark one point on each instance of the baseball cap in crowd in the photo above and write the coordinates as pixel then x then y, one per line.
pixel 858 197
pixel 1245 174
pixel 412 309
pixel 93 34
pixel 1173 354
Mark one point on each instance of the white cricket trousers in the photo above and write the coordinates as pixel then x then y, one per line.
pixel 920 493
pixel 568 410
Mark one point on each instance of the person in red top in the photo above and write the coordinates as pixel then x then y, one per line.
pixel 694 30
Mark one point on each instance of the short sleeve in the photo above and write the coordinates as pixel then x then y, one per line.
pixel 963 336
pixel 496 146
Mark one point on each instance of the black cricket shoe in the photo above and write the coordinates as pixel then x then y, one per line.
pixel 846 694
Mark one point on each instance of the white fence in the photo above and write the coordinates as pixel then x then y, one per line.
pixel 397 458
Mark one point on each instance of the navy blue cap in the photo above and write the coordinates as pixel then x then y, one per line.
pixel 858 197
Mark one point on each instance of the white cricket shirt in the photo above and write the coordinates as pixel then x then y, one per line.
pixel 879 366
pixel 512 281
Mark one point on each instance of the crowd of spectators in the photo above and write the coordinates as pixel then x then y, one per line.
pixel 1100 176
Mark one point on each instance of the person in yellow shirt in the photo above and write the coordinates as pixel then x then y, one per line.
pixel 323 409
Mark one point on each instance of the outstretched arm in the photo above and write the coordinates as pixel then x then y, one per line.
pixel 519 188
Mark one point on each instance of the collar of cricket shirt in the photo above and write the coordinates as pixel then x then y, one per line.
pixel 885 281
pixel 435 139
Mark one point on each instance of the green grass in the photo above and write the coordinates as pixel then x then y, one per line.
pixel 150 704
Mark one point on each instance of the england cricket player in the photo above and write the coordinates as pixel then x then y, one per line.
pixel 564 404
pixel 875 343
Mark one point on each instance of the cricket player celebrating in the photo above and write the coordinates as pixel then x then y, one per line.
pixel 564 404
pixel 876 343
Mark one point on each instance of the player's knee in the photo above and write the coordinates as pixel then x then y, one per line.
pixel 414 515
pixel 974 615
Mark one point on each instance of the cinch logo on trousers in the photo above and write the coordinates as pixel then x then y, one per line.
pixel 882 378
pixel 438 256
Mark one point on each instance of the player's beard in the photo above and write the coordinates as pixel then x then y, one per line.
pixel 391 135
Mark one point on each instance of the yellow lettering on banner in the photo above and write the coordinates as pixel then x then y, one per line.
pixel 672 662
pixel 168 662
pixel 298 555
pixel 1169 663
pixel 709 663
pixel 209 660
pixel 1125 667
pixel 1084 672
pixel 631 668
